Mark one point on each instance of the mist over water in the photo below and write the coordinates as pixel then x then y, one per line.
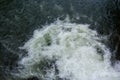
pixel 59 40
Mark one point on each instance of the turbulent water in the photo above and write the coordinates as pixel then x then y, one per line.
pixel 67 51
pixel 74 48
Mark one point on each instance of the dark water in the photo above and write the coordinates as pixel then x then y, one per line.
pixel 19 18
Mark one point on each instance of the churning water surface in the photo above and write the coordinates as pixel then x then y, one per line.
pixel 69 48
pixel 68 51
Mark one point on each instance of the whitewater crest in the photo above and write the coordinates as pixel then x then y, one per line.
pixel 67 51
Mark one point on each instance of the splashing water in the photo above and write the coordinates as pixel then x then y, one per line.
pixel 67 51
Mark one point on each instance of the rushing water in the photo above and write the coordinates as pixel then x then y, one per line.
pixel 66 44
pixel 67 51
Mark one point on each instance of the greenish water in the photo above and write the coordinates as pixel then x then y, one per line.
pixel 19 19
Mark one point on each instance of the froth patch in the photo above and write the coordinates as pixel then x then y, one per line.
pixel 67 51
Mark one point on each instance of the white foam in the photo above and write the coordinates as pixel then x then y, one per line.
pixel 75 49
